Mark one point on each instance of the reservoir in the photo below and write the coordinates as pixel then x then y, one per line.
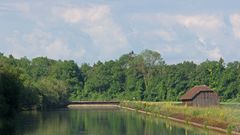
pixel 94 121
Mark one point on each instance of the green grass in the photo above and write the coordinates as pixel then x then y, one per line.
pixel 221 114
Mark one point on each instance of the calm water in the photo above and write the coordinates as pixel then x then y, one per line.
pixel 93 122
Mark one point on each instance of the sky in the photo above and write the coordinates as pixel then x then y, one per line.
pixel 90 30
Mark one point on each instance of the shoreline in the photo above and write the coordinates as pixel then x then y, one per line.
pixel 199 125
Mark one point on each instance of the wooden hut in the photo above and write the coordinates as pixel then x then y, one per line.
pixel 200 96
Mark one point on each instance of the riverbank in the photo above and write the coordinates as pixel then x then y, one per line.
pixel 222 119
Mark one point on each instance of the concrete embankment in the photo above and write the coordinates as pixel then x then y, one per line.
pixel 93 105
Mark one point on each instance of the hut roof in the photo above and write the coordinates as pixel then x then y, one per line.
pixel 194 91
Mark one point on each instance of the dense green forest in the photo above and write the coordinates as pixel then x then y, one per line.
pixel 43 82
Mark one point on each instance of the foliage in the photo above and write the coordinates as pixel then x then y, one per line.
pixel 39 83
pixel 43 82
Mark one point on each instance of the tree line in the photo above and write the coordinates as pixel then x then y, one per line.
pixel 43 82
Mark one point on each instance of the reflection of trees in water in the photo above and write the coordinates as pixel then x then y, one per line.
pixel 43 123
pixel 6 126
pixel 126 123
pixel 100 122
pixel 27 122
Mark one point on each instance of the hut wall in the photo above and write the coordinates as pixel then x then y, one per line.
pixel 187 102
pixel 205 99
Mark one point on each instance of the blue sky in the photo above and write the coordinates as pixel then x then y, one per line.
pixel 92 30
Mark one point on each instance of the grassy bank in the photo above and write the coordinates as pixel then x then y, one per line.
pixel 219 116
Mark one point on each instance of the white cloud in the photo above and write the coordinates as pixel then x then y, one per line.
pixel 23 6
pixel 208 29
pixel 209 22
pixel 58 49
pixel 97 22
pixel 89 14
pixel 15 7
pixel 210 50
pixel 14 47
pixel 165 35
pixel 180 28
pixel 235 21
pixel 170 49
pixel 41 43
pixel 189 37
pixel 215 54
pixel 72 15
pixel 205 25
pixel 202 41
pixel 37 38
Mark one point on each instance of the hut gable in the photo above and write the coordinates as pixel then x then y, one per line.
pixel 200 96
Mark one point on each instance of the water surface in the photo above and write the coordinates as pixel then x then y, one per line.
pixel 94 122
